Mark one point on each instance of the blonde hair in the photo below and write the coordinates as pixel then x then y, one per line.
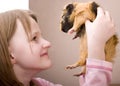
pixel 7 30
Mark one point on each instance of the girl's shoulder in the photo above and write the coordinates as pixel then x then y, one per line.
pixel 43 82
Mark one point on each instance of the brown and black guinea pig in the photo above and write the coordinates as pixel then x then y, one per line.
pixel 74 16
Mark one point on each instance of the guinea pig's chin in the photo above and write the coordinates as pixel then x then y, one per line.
pixel 66 27
pixel 65 30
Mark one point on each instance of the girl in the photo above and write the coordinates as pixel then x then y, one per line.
pixel 24 52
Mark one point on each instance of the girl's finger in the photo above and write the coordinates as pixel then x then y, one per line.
pixel 100 12
pixel 108 15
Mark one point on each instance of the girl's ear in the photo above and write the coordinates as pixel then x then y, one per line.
pixel 12 58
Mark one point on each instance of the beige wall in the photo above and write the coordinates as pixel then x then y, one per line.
pixel 64 50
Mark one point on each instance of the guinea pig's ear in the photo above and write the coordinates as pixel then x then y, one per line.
pixel 70 8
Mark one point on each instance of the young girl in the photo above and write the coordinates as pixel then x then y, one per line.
pixel 24 52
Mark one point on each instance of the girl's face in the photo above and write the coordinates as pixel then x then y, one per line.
pixel 29 54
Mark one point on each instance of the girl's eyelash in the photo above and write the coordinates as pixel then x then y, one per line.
pixel 34 38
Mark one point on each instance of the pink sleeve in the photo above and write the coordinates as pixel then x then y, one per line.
pixel 98 73
pixel 43 82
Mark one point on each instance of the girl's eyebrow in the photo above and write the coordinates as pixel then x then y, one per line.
pixel 36 33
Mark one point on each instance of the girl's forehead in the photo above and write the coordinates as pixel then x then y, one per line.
pixel 31 29
pixel 34 26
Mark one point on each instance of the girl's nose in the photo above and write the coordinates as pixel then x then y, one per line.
pixel 46 44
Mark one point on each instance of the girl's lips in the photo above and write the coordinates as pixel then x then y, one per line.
pixel 44 54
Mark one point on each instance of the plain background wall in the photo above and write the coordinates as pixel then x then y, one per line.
pixel 64 50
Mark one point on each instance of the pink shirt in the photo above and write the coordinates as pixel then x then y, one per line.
pixel 98 73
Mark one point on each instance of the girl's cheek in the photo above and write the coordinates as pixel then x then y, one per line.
pixel 36 49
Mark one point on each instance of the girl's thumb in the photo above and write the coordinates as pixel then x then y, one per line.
pixel 87 23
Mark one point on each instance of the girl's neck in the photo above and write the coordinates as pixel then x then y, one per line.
pixel 24 76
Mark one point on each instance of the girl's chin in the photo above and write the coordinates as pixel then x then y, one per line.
pixel 47 65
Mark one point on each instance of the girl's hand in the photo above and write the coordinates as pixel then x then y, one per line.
pixel 98 32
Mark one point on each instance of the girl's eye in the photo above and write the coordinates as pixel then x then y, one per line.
pixel 34 38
